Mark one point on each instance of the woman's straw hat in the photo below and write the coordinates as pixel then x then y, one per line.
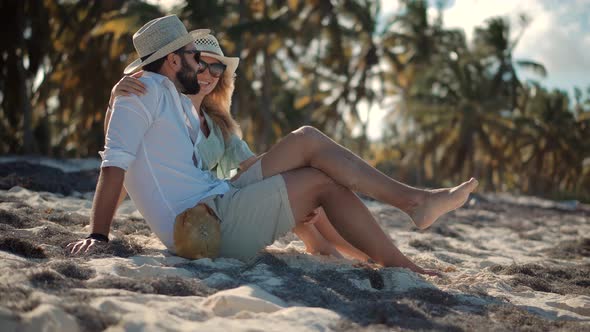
pixel 209 46
pixel 159 37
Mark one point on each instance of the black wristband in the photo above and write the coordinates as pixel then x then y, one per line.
pixel 99 237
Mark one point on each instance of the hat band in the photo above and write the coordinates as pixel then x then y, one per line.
pixel 143 58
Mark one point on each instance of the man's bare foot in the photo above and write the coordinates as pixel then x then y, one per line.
pixel 440 201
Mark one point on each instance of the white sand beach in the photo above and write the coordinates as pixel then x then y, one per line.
pixel 510 263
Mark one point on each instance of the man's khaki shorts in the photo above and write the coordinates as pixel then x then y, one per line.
pixel 253 213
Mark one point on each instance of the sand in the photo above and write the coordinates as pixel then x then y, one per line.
pixel 510 263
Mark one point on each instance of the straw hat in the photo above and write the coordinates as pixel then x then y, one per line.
pixel 209 46
pixel 197 233
pixel 160 37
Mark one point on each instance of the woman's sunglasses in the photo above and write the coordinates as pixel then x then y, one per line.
pixel 215 69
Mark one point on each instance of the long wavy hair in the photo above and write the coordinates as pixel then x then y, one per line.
pixel 217 104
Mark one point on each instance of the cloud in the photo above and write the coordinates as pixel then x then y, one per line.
pixel 560 39
pixel 468 14
pixel 558 35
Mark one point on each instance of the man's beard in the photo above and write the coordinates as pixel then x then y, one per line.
pixel 187 78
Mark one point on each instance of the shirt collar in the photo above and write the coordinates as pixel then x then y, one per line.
pixel 156 77
pixel 161 79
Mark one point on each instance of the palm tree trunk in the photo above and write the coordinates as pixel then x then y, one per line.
pixel 266 106
pixel 236 98
pixel 21 82
pixel 314 86
pixel 364 138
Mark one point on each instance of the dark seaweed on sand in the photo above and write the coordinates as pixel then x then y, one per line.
pixel 44 178
pixel 571 249
pixel 39 237
pixel 17 298
pixel 72 270
pixel 166 285
pixel 559 280
pixel 21 248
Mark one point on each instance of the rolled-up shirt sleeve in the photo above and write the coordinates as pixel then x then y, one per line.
pixel 132 116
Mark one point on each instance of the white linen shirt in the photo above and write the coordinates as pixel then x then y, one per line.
pixel 148 137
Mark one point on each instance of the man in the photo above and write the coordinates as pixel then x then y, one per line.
pixel 152 137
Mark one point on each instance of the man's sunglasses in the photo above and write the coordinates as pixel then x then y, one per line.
pixel 196 54
pixel 215 69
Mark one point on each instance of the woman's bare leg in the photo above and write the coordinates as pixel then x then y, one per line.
pixel 315 243
pixel 308 147
pixel 332 238
pixel 310 188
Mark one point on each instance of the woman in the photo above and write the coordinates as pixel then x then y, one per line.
pixel 224 151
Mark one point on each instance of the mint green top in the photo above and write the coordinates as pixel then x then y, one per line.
pixel 215 152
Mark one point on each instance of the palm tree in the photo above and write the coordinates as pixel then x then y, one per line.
pixel 411 44
pixel 263 27
pixel 493 43
pixel 552 143
pixel 342 70
pixel 21 54
pixel 582 114
pixel 105 50
pixel 77 51
pixel 461 106
pixel 410 41
pixel 280 84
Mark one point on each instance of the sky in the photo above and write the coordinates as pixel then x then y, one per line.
pixel 558 36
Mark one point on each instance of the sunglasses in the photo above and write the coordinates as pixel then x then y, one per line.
pixel 215 69
pixel 196 54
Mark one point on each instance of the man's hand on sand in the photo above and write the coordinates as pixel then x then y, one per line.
pixel 82 246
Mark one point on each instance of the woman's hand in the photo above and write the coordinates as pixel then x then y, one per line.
pixel 313 217
pixel 244 165
pixel 127 86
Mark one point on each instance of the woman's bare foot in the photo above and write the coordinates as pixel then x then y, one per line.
pixel 327 250
pixel 440 201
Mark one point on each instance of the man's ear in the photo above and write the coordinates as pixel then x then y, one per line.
pixel 173 60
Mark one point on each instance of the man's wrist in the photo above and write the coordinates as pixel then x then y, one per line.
pixel 99 237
